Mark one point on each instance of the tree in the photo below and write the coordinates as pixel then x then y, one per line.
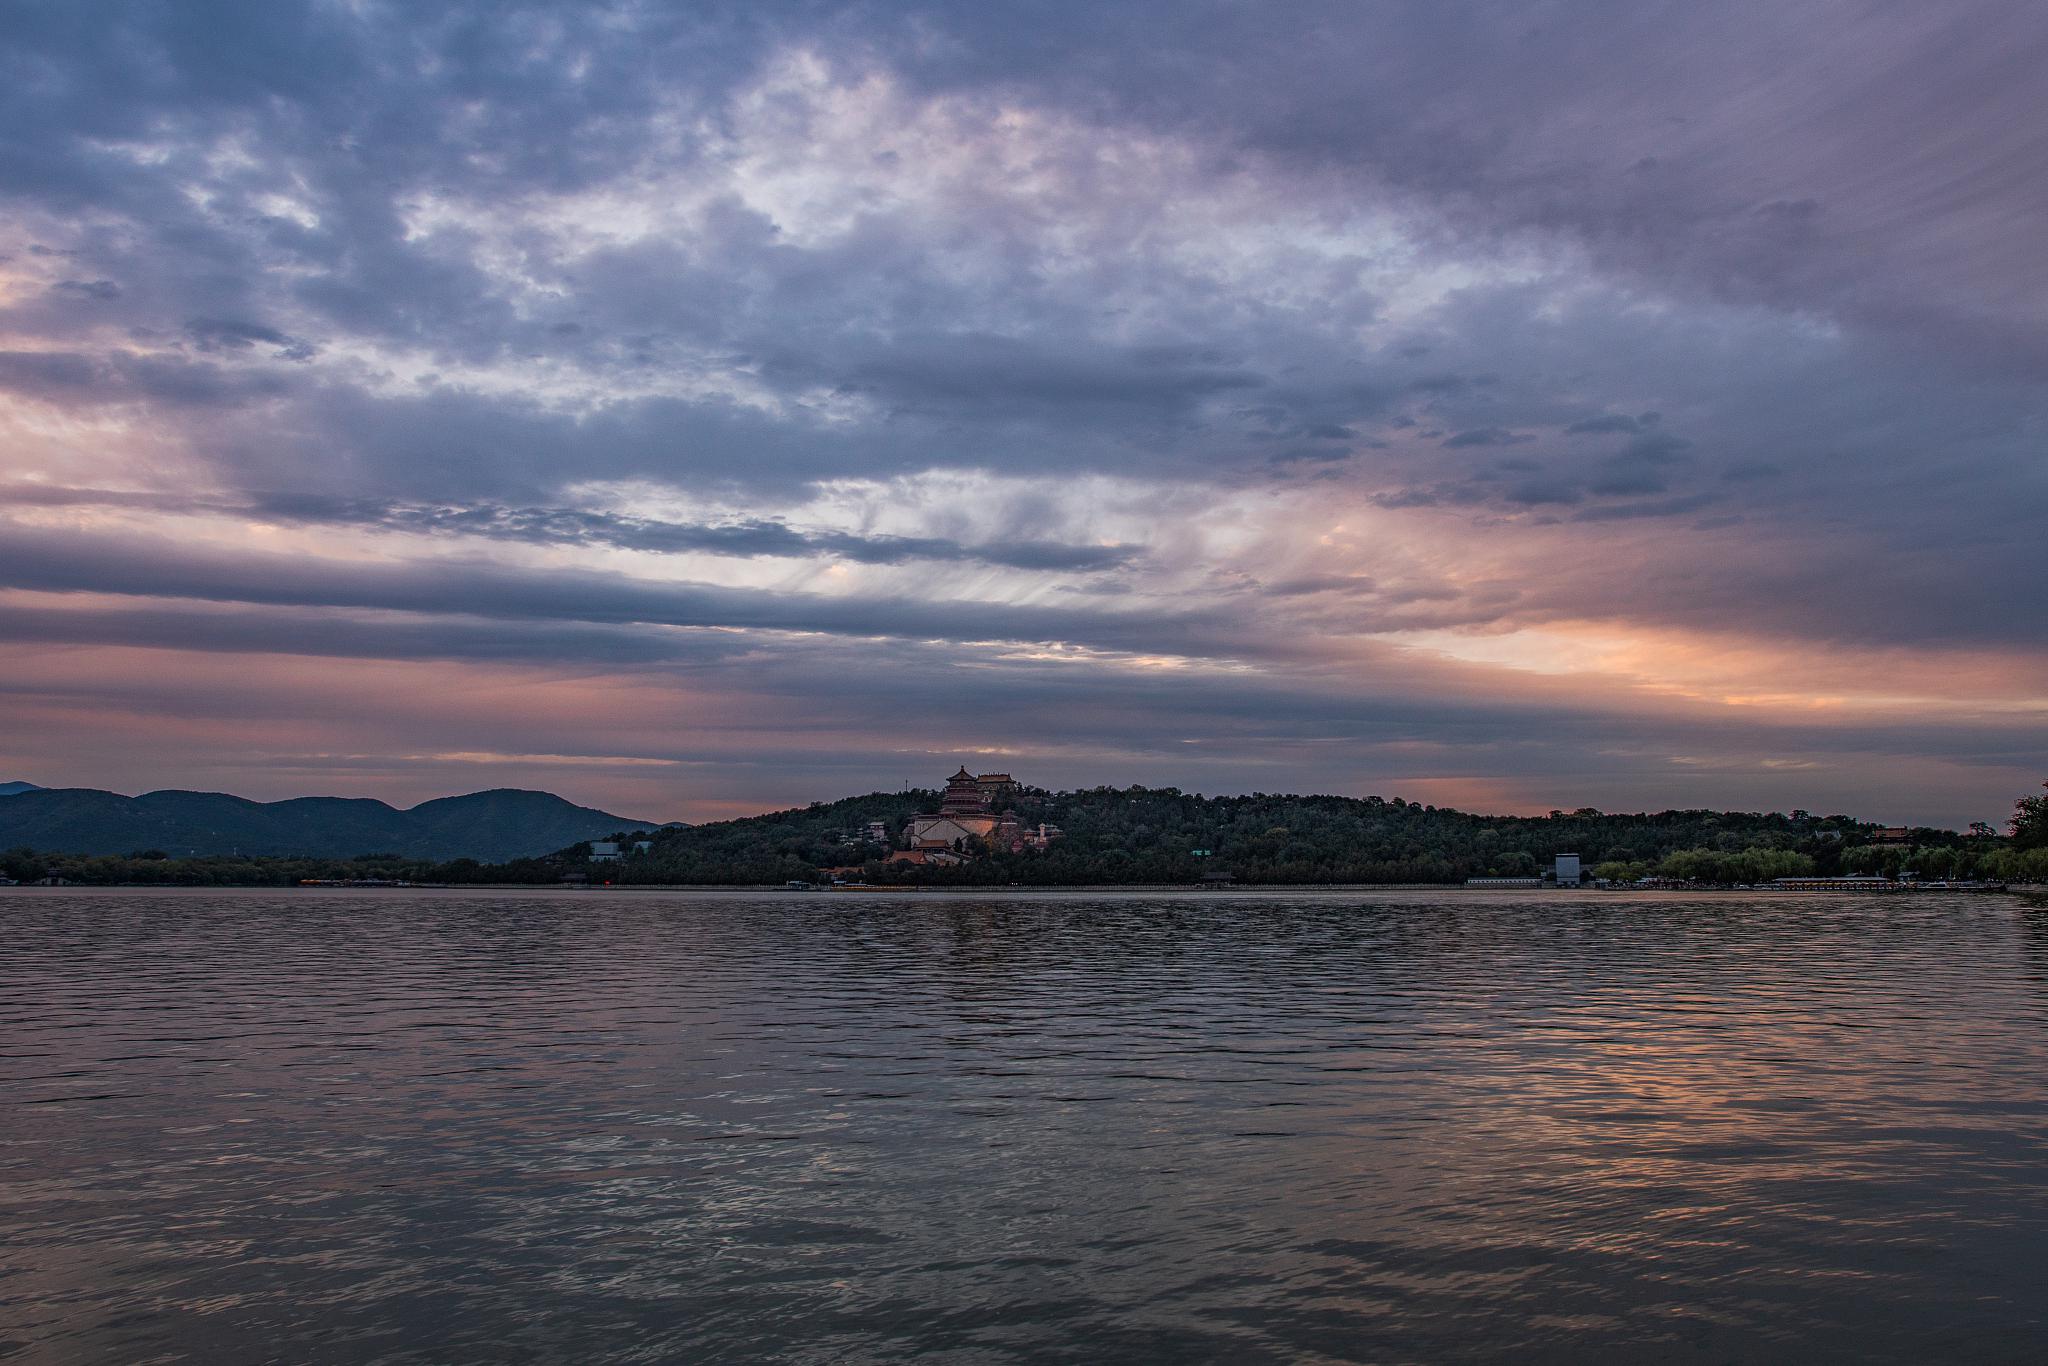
pixel 2030 822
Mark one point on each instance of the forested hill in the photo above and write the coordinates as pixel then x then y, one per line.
pixel 506 823
pixel 1142 834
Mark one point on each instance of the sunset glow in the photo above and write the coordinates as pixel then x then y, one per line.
pixel 700 416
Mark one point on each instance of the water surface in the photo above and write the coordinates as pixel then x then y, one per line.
pixel 445 1126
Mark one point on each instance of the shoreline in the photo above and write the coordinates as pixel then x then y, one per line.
pixel 1146 888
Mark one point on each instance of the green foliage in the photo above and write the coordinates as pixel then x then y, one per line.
pixel 780 847
pixel 1749 866
pixel 2030 822
pixel 500 824
pixel 1150 835
pixel 224 870
pixel 2015 865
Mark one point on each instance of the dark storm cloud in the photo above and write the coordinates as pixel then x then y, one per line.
pixel 360 110
pixel 471 91
pixel 996 372
pixel 1757 283
pixel 1850 156
pixel 338 635
pixel 572 527
pixel 79 379
pixel 1487 436
pixel 1611 422
pixel 89 289
pixel 1625 478
pixel 1701 156
pixel 1234 732
pixel 1665 507
pixel 1539 493
pixel 564 526
pixel 44 562
pixel 45 373
pixel 228 334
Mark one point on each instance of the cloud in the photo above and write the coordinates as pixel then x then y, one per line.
pixel 584 527
pixel 215 335
pixel 90 289
pixel 1663 507
pixel 1606 422
pixel 45 372
pixel 1097 332
pixel 129 566
pixel 1487 436
pixel 563 526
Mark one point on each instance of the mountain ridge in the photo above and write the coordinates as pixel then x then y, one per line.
pixel 492 825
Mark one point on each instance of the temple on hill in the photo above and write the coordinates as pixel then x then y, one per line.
pixel 973 814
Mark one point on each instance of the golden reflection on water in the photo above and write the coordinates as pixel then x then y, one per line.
pixel 1337 1126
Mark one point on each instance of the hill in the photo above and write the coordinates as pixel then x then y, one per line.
pixel 1152 835
pixel 493 826
pixel 9 789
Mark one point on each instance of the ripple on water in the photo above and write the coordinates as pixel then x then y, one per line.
pixel 447 1126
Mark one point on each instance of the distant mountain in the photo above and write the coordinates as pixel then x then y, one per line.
pixel 9 789
pixel 494 826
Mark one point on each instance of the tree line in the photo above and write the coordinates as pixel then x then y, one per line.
pixel 1164 835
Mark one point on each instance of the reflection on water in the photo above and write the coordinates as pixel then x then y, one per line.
pixel 444 1126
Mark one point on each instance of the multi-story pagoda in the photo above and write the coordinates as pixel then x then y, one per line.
pixel 973 812
pixel 964 795
pixel 963 817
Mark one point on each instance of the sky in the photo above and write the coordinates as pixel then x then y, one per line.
pixel 700 409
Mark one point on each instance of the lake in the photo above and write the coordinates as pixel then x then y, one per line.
pixel 464 1126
